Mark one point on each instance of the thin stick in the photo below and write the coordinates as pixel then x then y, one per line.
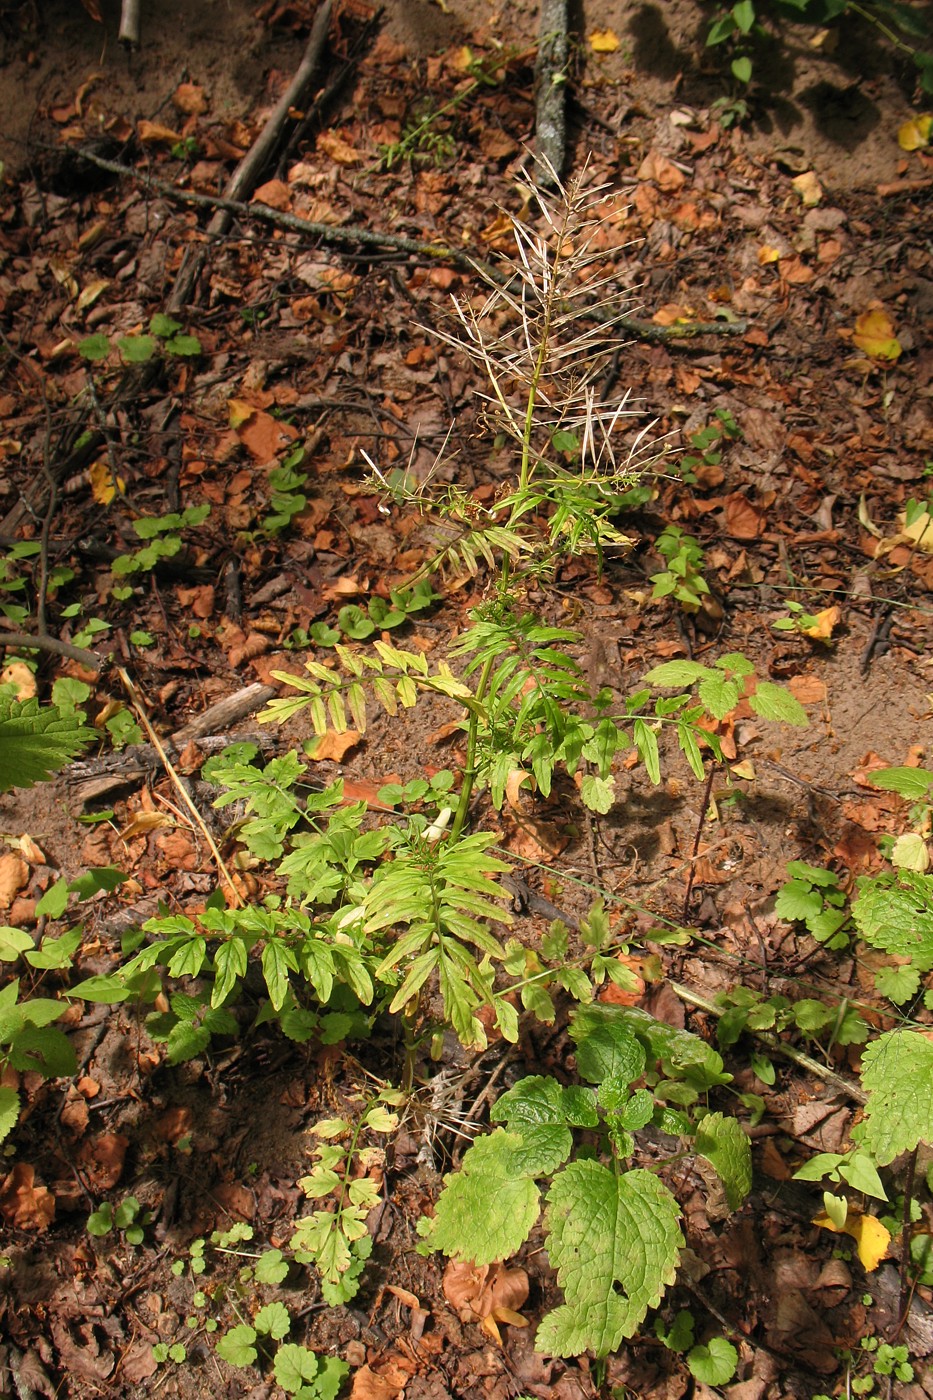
pixel 798 1057
pixel 179 785
pixel 707 789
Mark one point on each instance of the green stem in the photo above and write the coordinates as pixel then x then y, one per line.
pixel 469 772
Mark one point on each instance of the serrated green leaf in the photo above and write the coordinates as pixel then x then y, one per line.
pixel 797 902
pixel 676 673
pixel 896 915
pixel 136 349
pixel 897 983
pixel 614 1241
pixel 722 1142
pixel 236 1346
pixel 486 1210
pixel 273 1320
pixel 775 703
pixel 897 1074
pixel 271 1267
pixel 598 794
pixel 912 783
pixel 35 741
pixel 294 1366
pixel 94 347
pixel 719 695
pixel 9 1110
pixel 606 1045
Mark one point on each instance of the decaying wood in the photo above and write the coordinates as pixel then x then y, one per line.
pixel 550 92
pixel 129 23
pixel 95 778
pixel 251 168
pixel 219 718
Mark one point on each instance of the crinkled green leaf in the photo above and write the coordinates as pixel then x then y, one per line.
pixel 895 914
pixel 606 1045
pixel 614 1241
pixel 682 1055
pixel 487 1209
pixel 897 1074
pixel 722 1142
pixel 35 741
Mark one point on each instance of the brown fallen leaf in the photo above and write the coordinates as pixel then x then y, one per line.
pixel 486 1293
pixel 14 872
pixel 331 747
pixel 23 1204
pixel 388 1382
pixel 102 1159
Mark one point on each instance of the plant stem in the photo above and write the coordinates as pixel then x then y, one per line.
pixel 469 772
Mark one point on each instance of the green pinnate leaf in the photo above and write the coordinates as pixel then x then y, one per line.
pixel 897 1074
pixel 797 902
pixel 487 1209
pixel 719 695
pixel 614 1241
pixel 724 1145
pixel 677 673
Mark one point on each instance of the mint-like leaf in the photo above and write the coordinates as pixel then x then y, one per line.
pixel 606 1046
pixel 774 702
pixel 487 1209
pixel 897 1073
pixel 724 1145
pixel 614 1241
pixel 912 783
pixel 895 914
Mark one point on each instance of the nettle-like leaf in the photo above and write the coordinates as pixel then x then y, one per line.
pixel 895 913
pixel 725 1146
pixel 539 1110
pixel 488 1208
pixel 35 741
pixel 9 1110
pixel 913 783
pixel 897 1074
pixel 681 1054
pixel 615 1242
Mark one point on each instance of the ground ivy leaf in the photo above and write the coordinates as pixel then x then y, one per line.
pixel 273 1320
pixel 724 1145
pixel 486 1210
pixel 897 1074
pixel 614 1241
pixel 715 1363
pixel 293 1366
pixel 236 1346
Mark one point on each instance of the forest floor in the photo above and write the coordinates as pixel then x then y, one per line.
pixel 803 237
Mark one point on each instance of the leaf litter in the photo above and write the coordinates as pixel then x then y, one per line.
pixel 341 353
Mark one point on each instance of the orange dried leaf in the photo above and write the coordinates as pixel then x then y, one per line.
pixel 333 747
pixel 335 145
pixel 826 620
pixel 154 134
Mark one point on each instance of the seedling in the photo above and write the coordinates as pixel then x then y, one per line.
pixel 128 1218
pixel 683 579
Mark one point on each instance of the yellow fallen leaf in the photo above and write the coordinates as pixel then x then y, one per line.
pixel 767 254
pixel 911 853
pixel 603 41
pixel 919 532
pixel 822 629
pixel 144 822
pixel 871 1237
pixel 808 187
pixel 240 412
pixel 874 333
pixel 104 485
pixel 915 133
pixel 17 673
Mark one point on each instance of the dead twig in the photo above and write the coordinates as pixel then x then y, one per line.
pixel 356 235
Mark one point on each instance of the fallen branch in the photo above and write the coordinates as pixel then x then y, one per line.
pixel 251 168
pixel 43 642
pixel 355 234
pixel 550 91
